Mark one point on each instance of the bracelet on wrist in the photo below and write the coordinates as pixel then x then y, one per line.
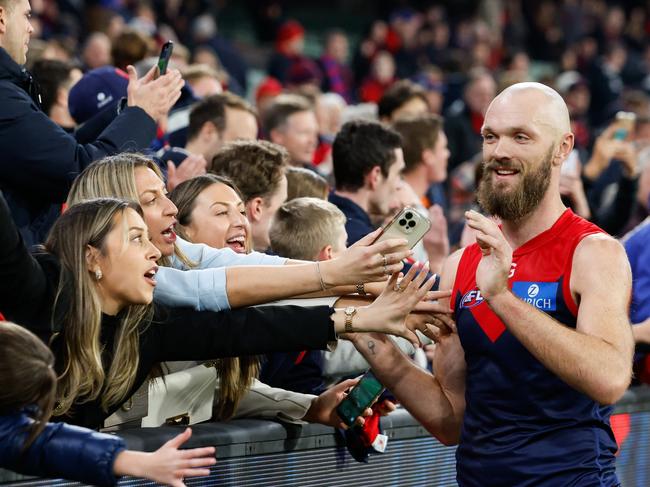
pixel 320 277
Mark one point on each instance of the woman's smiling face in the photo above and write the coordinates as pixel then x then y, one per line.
pixel 218 219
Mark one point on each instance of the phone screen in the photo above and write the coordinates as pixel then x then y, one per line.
pixel 165 55
pixel 360 397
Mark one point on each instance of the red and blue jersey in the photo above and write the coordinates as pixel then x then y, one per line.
pixel 523 425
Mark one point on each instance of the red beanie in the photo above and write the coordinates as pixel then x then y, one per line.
pixel 269 87
pixel 289 31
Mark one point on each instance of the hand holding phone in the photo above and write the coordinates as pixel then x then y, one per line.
pixel 409 224
pixel 165 56
pixel 362 396
pixel 624 125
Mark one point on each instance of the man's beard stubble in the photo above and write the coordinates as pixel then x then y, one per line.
pixel 521 200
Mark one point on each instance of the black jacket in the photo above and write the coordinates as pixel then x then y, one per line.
pixel 39 159
pixel 28 285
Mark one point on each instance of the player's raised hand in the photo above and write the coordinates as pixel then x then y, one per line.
pixel 492 272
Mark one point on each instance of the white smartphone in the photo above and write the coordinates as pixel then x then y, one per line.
pixel 409 224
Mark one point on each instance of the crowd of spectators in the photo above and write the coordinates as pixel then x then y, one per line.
pixel 389 121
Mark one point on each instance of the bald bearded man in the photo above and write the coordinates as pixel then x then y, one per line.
pixel 541 347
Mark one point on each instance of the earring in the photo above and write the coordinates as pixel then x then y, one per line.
pixel 98 274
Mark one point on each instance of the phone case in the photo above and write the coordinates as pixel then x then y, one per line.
pixel 165 55
pixel 360 397
pixel 409 224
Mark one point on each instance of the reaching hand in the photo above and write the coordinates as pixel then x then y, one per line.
pixel 492 272
pixel 323 408
pixel 192 166
pixel 167 465
pixel 387 314
pixel 433 322
pixel 366 262
pixel 154 96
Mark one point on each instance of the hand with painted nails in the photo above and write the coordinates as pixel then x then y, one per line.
pixel 387 314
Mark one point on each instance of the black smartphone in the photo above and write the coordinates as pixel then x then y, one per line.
pixel 165 55
pixel 359 398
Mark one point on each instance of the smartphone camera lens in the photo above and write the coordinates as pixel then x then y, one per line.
pixel 411 224
pixel 408 215
pixel 402 222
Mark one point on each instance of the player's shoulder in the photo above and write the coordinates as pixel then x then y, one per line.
pixel 598 249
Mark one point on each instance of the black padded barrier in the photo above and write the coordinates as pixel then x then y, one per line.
pixel 265 453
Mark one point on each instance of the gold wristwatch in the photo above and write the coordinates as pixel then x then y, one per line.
pixel 350 311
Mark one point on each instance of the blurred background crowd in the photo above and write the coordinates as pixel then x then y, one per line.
pixel 345 57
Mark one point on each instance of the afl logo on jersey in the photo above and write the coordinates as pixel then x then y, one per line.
pixel 471 299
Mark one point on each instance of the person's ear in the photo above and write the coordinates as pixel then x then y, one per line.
pixel 563 150
pixel 92 261
pixel 428 157
pixel 277 136
pixel 255 209
pixel 373 178
pixel 325 253
pixel 208 131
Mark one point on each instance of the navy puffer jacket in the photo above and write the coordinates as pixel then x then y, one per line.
pixel 60 451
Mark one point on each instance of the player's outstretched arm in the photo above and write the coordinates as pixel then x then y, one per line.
pixel 437 402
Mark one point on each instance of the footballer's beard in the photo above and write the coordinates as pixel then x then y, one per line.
pixel 519 201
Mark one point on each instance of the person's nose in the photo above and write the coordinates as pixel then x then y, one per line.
pixel 500 150
pixel 237 219
pixel 169 208
pixel 152 252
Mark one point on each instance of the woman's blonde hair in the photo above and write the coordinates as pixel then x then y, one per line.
pixel 83 377
pixel 236 373
pixel 114 177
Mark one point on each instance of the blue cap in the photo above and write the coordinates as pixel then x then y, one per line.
pixel 97 89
